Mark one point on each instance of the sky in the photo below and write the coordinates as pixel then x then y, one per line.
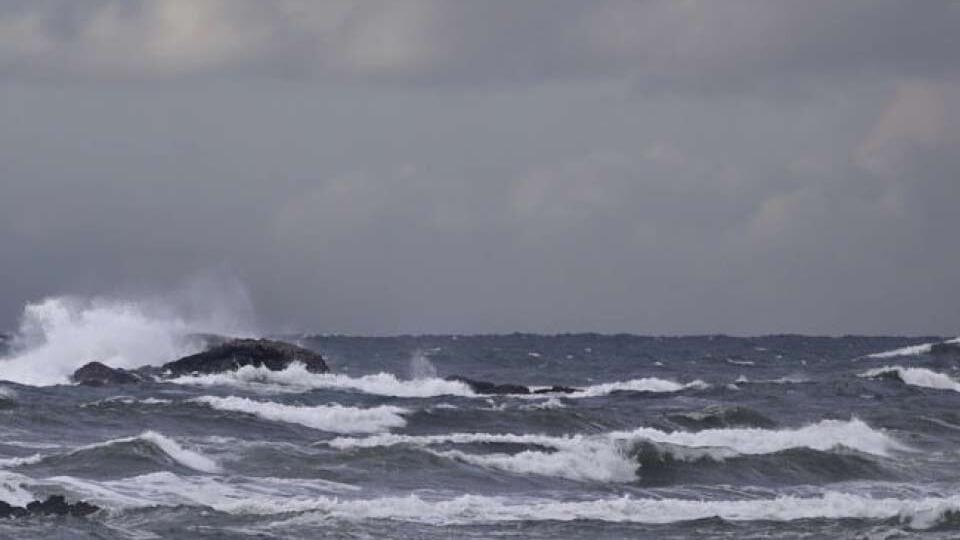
pixel 451 166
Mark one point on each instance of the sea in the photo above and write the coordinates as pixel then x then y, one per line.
pixel 784 436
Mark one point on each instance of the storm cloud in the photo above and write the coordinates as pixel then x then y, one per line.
pixel 386 167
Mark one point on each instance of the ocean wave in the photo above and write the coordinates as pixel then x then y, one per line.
pixel 296 378
pixel 321 501
pixel 920 513
pixel 169 447
pixel 613 457
pixel 915 376
pixel 646 384
pixel 237 495
pixel 912 350
pixel 334 418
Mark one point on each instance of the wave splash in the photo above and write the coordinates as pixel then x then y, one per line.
pixel 59 334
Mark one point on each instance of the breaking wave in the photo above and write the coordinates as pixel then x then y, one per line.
pixel 321 501
pixel 612 457
pixel 915 376
pixel 334 418
pixel 646 384
pixel 169 447
pixel 912 350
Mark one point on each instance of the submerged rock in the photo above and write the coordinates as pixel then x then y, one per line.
pixel 97 374
pixel 54 505
pixel 237 353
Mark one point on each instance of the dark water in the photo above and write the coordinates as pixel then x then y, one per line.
pixel 707 437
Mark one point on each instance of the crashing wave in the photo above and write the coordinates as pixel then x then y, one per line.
pixel 334 418
pixel 59 334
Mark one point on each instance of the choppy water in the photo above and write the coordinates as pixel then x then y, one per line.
pixel 708 437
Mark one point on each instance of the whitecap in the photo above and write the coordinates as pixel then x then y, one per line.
pixel 335 418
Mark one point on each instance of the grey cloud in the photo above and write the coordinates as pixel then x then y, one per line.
pixel 658 167
pixel 696 46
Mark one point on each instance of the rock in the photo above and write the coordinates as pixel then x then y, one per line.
pixel 556 389
pixel 97 374
pixel 54 505
pixel 484 387
pixel 237 353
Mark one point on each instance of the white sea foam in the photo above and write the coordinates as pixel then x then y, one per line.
pixel 912 350
pixel 296 378
pixel 335 418
pixel 591 461
pixel 646 384
pixel 238 495
pixel 605 457
pixel 12 490
pixel 916 376
pixel 59 334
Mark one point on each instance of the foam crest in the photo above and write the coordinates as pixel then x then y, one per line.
pixel 824 435
pixel 915 376
pixel 646 384
pixel 296 378
pixel 592 461
pixel 334 418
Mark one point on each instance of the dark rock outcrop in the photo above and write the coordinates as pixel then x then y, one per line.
pixel 237 353
pixel 54 505
pixel 556 389
pixel 97 374
pixel 484 387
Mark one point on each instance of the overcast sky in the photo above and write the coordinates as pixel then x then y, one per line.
pixel 461 166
